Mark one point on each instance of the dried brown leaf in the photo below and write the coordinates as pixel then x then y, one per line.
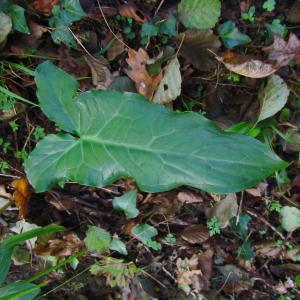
pixel 269 249
pixel 21 195
pixel 246 66
pixel 130 10
pixel 101 75
pixel 281 52
pixel 196 271
pixel 116 49
pixel 68 245
pixel 224 210
pixel 293 15
pixel 145 84
pixel 195 234
pixel 194 47
pixel 189 197
pixel 44 6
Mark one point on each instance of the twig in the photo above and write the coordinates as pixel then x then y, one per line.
pixel 108 26
pixel 159 6
pixel 266 222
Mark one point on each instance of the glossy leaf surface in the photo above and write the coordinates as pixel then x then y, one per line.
pixel 117 135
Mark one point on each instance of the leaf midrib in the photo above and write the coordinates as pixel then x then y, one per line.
pixel 155 150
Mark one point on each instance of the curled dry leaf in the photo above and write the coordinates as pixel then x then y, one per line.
pixel 68 245
pixel 195 45
pixel 130 10
pixel 101 75
pixel 21 195
pixel 170 86
pixel 44 6
pixel 281 52
pixel 246 66
pixel 145 84
pixel 195 234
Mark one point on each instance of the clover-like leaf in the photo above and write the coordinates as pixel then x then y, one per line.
pixel 116 135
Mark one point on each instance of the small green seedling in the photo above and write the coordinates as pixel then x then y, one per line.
pixel 4 166
pixel 170 238
pixel 214 226
pixel 38 133
pixel 249 15
pixel 269 5
pixel 274 206
pixel 14 126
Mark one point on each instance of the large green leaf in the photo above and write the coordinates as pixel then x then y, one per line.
pixel 119 135
pixel 200 14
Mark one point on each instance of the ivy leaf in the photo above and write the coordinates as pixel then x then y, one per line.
pixel 290 218
pixel 63 16
pixel 276 28
pixel 200 14
pixel 97 239
pixel 127 203
pixel 240 227
pixel 144 232
pixel 231 36
pixel 272 97
pixel 112 137
pixel 119 246
pixel 17 14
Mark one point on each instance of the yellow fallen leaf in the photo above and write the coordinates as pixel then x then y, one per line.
pixel 21 195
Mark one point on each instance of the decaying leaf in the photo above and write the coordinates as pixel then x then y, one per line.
pixel 170 86
pixel 268 249
pixel 246 66
pixel 165 204
pixel 272 97
pixel 145 84
pixel 293 15
pixel 130 10
pixel 68 245
pixel 21 195
pixel 195 45
pixel 44 6
pixel 195 272
pixel 235 278
pixel 281 52
pixel 116 48
pixel 189 197
pixel 101 75
pixel 22 43
pixel 195 234
pixel 224 210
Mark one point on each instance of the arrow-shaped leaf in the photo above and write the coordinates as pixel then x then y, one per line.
pixel 116 135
